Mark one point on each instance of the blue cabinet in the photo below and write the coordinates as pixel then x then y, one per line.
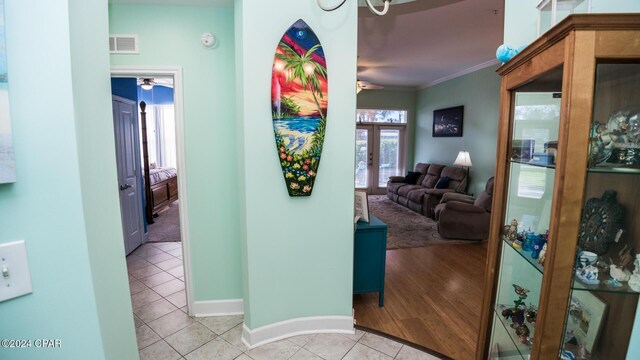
pixel 369 257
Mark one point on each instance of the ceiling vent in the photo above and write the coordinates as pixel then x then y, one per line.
pixel 123 44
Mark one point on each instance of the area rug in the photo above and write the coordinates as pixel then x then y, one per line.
pixel 166 226
pixel 406 228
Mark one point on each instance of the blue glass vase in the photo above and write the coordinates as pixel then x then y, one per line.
pixel 529 241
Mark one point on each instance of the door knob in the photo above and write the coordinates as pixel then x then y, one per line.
pixel 124 187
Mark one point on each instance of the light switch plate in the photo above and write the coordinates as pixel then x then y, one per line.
pixel 15 279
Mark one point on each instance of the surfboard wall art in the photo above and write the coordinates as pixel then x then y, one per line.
pixel 299 106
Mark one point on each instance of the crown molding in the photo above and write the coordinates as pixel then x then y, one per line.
pixel 466 71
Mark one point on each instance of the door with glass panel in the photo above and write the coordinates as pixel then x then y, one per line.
pixel 380 148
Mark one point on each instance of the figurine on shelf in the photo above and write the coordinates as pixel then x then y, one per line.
pixel 529 239
pixel 613 283
pixel 619 273
pixel 531 314
pixel 625 257
pixel 588 275
pixel 523 332
pixel 543 255
pixel 522 292
pixel 634 281
pixel 512 231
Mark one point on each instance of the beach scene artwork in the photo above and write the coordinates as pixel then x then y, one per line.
pixel 299 106
pixel 7 164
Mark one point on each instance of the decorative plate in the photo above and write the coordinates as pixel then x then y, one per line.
pixel 601 220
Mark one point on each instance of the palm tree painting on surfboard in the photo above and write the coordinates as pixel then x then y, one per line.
pixel 299 106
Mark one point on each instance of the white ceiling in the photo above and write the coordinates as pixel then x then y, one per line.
pixel 425 42
pixel 416 44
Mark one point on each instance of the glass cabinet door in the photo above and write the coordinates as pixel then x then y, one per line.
pixel 606 282
pixel 535 121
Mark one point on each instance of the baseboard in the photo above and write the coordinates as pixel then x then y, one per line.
pixel 299 326
pixel 218 307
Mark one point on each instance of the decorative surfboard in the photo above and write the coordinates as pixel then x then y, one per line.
pixel 299 106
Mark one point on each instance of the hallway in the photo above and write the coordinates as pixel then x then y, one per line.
pixel 164 331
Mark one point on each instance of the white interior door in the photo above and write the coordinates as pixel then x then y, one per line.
pixel 379 154
pixel 129 182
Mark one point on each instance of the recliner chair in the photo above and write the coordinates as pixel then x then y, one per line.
pixel 462 216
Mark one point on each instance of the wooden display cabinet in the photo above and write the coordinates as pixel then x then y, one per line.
pixel 566 87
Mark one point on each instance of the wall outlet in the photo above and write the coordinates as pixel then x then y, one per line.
pixel 15 279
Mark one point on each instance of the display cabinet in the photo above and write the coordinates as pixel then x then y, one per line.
pixel 562 275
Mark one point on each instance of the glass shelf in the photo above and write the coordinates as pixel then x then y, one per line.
pixel 548 166
pixel 613 168
pixel 525 255
pixel 602 286
pixel 523 349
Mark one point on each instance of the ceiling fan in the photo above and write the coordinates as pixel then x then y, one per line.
pixel 149 83
pixel 365 85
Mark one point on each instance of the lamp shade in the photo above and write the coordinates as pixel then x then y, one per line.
pixel 463 159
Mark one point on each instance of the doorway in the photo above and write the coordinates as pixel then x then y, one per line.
pixel 150 271
pixel 380 148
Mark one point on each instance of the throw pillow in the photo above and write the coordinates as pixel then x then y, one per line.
pixel 443 182
pixel 412 177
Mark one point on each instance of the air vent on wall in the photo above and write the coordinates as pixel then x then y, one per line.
pixel 123 44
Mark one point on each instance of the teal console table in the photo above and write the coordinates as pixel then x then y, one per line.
pixel 369 257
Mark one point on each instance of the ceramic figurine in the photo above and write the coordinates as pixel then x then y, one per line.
pixel 512 230
pixel 522 292
pixel 613 283
pixel 531 314
pixel 619 273
pixel 517 318
pixel 523 332
pixel 507 313
pixel 634 281
pixel 543 254
pixel 567 355
pixel 625 257
pixel 535 253
pixel 588 275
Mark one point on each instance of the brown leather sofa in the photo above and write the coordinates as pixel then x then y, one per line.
pixel 461 216
pixel 422 197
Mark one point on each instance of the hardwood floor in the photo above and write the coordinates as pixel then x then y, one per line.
pixel 432 298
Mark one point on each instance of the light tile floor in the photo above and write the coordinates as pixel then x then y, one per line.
pixel 165 332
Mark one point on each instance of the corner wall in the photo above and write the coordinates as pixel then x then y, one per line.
pixel 298 251
pixel 479 93
pixel 77 299
pixel 98 175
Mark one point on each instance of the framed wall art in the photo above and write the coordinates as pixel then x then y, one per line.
pixel 586 315
pixel 448 122
pixel 7 162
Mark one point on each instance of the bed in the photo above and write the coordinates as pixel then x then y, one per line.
pixel 164 187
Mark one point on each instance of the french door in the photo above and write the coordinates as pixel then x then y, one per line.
pixel 379 154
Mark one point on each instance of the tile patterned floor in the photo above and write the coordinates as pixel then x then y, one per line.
pixel 165 332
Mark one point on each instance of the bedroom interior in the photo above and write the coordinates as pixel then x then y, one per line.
pixel 156 267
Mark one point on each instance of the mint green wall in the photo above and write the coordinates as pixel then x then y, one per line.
pixel 98 175
pixel 479 93
pixel 45 206
pixel 170 36
pixel 521 17
pixel 299 251
pixel 394 99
